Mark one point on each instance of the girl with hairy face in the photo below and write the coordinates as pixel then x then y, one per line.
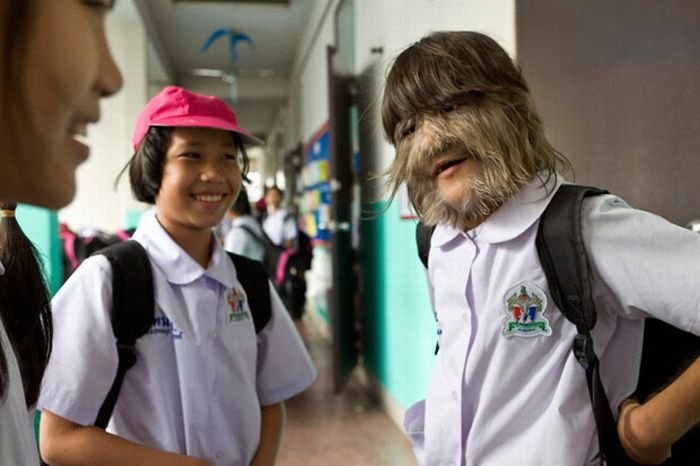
pixel 469 140
pixel 453 172
pixel 466 133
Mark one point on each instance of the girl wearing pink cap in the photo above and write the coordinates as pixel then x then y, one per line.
pixel 206 389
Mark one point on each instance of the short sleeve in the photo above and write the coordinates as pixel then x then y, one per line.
pixel 643 265
pixel 83 361
pixel 284 365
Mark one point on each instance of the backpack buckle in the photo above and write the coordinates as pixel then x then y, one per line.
pixel 127 354
pixel 583 350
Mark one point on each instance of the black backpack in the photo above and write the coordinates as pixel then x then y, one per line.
pixel 305 249
pixel 303 253
pixel 133 305
pixel 667 350
pixel 272 251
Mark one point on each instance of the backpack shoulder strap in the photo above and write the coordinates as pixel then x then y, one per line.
pixel 253 278
pixel 251 233
pixel 423 235
pixel 132 311
pixel 563 258
pixel 267 241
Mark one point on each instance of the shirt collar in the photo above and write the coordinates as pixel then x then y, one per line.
pixel 511 219
pixel 177 266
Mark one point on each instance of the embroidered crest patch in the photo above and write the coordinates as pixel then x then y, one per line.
pixel 525 306
pixel 236 303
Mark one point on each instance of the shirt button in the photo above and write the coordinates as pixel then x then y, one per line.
pixel 219 454
pixel 465 317
pixel 454 395
pixel 212 334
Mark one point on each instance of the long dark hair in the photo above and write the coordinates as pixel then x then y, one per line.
pixel 24 307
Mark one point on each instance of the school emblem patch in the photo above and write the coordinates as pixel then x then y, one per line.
pixel 525 306
pixel 163 326
pixel 236 302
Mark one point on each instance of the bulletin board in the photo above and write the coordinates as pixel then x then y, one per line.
pixel 316 200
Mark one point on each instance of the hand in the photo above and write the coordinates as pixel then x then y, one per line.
pixel 637 435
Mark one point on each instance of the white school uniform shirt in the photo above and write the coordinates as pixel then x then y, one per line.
pixel 222 228
pixel 239 241
pixel 202 373
pixel 509 391
pixel 17 444
pixel 280 226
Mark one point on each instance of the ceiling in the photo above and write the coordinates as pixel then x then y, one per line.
pixel 178 30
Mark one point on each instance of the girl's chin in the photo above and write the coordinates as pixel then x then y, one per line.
pixel 52 194
pixel 455 197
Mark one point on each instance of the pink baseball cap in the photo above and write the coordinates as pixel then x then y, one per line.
pixel 175 106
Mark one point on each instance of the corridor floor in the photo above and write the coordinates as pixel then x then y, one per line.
pixel 349 429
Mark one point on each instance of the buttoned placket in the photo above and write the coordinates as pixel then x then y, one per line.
pixel 458 325
pixel 469 319
pixel 213 309
pixel 206 314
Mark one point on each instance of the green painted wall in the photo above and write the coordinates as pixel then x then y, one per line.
pixel 398 326
pixel 132 218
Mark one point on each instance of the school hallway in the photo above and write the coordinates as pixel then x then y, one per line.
pixel 339 430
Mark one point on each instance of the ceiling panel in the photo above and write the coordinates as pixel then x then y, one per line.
pixel 179 29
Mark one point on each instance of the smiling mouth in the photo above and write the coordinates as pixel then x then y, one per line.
pixel 210 198
pixel 78 132
pixel 445 164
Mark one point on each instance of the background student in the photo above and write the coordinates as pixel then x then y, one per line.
pixel 280 225
pixel 245 235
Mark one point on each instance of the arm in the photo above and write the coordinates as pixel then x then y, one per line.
pixel 63 442
pixel 647 431
pixel 270 435
pixel 284 370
